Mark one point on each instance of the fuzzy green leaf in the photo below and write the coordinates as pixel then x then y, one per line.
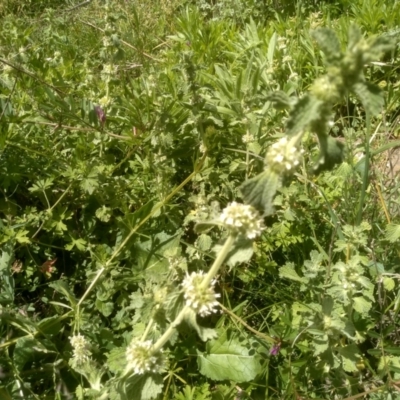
pixel 7 284
pixel 116 360
pixel 288 271
pixel 204 242
pixel 228 359
pixel 361 305
pixel 241 252
pixel 392 233
pixel 62 287
pixel 331 153
pixel 388 283
pixel 203 332
pixel 260 191
pixel 305 111
pixel 329 44
pixel 143 387
pixel 370 96
pixel 350 357
pixel 280 100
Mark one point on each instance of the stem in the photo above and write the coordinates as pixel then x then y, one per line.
pixel 155 209
pixel 170 331
pixel 366 169
pixel 218 261
pixel 147 330
pixel 206 282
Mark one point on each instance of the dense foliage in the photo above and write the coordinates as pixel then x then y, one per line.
pixel 129 133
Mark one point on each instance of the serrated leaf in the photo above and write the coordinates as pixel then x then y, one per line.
pixel 241 252
pixel 320 345
pixel 370 96
pixel 143 387
pixel 28 349
pixel 204 226
pixel 288 271
pixel 378 46
pixel 116 360
pixel 50 325
pixel 350 357
pixel 260 191
pixel 392 233
pixel 204 242
pixel 280 100
pixel 6 260
pixel 361 305
pixel 227 359
pixel 106 308
pixel 62 287
pixel 388 283
pixel 203 332
pixel 305 111
pixel 331 153
pixel 329 44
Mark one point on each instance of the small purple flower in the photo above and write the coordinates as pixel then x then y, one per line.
pixel 101 115
pixel 275 349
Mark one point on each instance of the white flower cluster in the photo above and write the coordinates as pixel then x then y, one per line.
pixel 242 219
pixel 81 348
pixel 202 300
pixel 248 138
pixel 283 155
pixel 142 359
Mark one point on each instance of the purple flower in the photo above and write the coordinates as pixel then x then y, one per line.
pixel 275 349
pixel 101 115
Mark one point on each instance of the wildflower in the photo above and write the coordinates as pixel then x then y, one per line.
pixel 202 300
pixel 283 155
pixel 275 349
pixel 81 348
pixel 248 138
pixel 142 359
pixel 101 115
pixel 203 148
pixel 242 219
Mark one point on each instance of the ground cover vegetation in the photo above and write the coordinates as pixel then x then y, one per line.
pixel 199 199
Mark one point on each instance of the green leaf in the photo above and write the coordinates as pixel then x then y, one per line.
pixel 7 280
pixel 288 271
pixel 143 387
pixel 28 349
pixel 62 287
pixel 241 252
pixel 80 244
pixel 204 242
pixel 305 111
pixel 388 283
pixel 329 44
pixel 331 153
pixel 106 308
pixel 392 233
pixel 260 191
pixel 116 360
pixel 203 332
pixel 361 305
pixel 320 344
pixel 280 100
pixel 350 357
pixel 50 325
pixel 370 96
pixel 228 359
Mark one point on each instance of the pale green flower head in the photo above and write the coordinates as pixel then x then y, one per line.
pixel 202 300
pixel 242 219
pixel 284 155
pixel 142 359
pixel 81 348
